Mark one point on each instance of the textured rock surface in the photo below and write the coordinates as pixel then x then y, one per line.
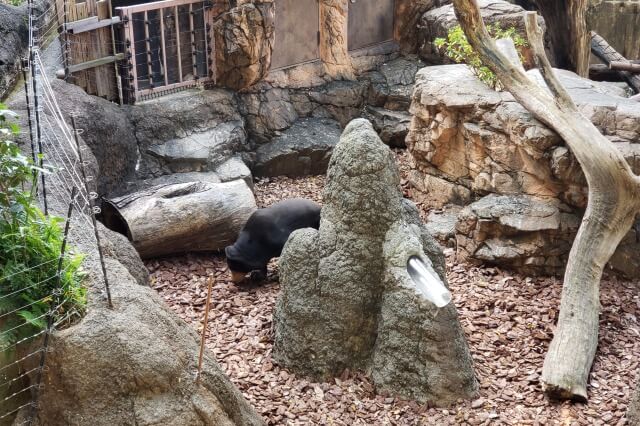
pixel 134 364
pixel 408 14
pixel 468 141
pixel 14 33
pixel 304 149
pixel 392 126
pixel 633 415
pixel 437 22
pixel 107 130
pixel 333 39
pixel 190 131
pixel 347 300
pixel 517 231
pixel 244 40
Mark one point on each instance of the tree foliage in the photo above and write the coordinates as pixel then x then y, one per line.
pixel 458 49
pixel 30 245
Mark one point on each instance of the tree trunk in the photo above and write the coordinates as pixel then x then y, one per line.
pixel 614 200
pixel 179 218
pixel 567 26
pixel 607 54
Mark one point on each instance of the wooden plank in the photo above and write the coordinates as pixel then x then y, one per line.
pixel 96 63
pixel 90 24
pixel 156 5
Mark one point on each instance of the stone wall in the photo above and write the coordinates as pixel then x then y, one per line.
pixel 470 143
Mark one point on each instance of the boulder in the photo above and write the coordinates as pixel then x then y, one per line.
pixel 304 149
pixel 408 14
pixel 347 300
pixel 133 364
pixel 441 224
pixel 244 38
pixel 106 129
pixel 202 151
pixel 189 131
pixel 391 86
pixel 469 141
pixel 532 235
pixel 436 23
pixel 14 33
pixel 392 126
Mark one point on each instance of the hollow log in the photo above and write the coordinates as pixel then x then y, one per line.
pixel 607 54
pixel 614 201
pixel 180 218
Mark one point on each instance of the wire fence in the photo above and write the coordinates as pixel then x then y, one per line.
pixel 65 191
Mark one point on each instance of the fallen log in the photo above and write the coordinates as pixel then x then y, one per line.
pixel 602 72
pixel 607 54
pixel 625 66
pixel 180 218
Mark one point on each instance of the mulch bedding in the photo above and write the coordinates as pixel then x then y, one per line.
pixel 508 320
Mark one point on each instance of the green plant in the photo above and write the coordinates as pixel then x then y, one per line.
pixel 30 245
pixel 458 49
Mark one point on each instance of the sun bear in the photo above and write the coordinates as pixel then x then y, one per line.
pixel 264 235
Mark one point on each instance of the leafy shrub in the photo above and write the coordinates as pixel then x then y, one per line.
pixel 458 49
pixel 30 245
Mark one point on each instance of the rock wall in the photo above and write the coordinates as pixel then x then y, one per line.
pixel 469 142
pixel 347 300
pixel 14 33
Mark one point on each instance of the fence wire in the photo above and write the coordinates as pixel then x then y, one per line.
pixel 66 191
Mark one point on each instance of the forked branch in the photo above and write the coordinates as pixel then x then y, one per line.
pixel 614 201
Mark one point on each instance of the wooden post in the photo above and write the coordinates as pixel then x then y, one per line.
pixel 204 327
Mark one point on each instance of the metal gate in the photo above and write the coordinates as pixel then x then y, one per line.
pixel 297 26
pixel 168 46
pixel 370 22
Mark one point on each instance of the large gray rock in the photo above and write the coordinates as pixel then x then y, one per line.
pixel 106 129
pixel 14 33
pixel 437 22
pixel 517 231
pixel 347 300
pixel 392 126
pixel 468 141
pixel 304 149
pixel 189 131
pixel 135 363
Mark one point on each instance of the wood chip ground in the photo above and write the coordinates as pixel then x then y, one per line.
pixel 508 320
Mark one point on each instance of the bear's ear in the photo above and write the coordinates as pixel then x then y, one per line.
pixel 230 251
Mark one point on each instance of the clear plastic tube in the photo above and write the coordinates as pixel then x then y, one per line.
pixel 428 283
